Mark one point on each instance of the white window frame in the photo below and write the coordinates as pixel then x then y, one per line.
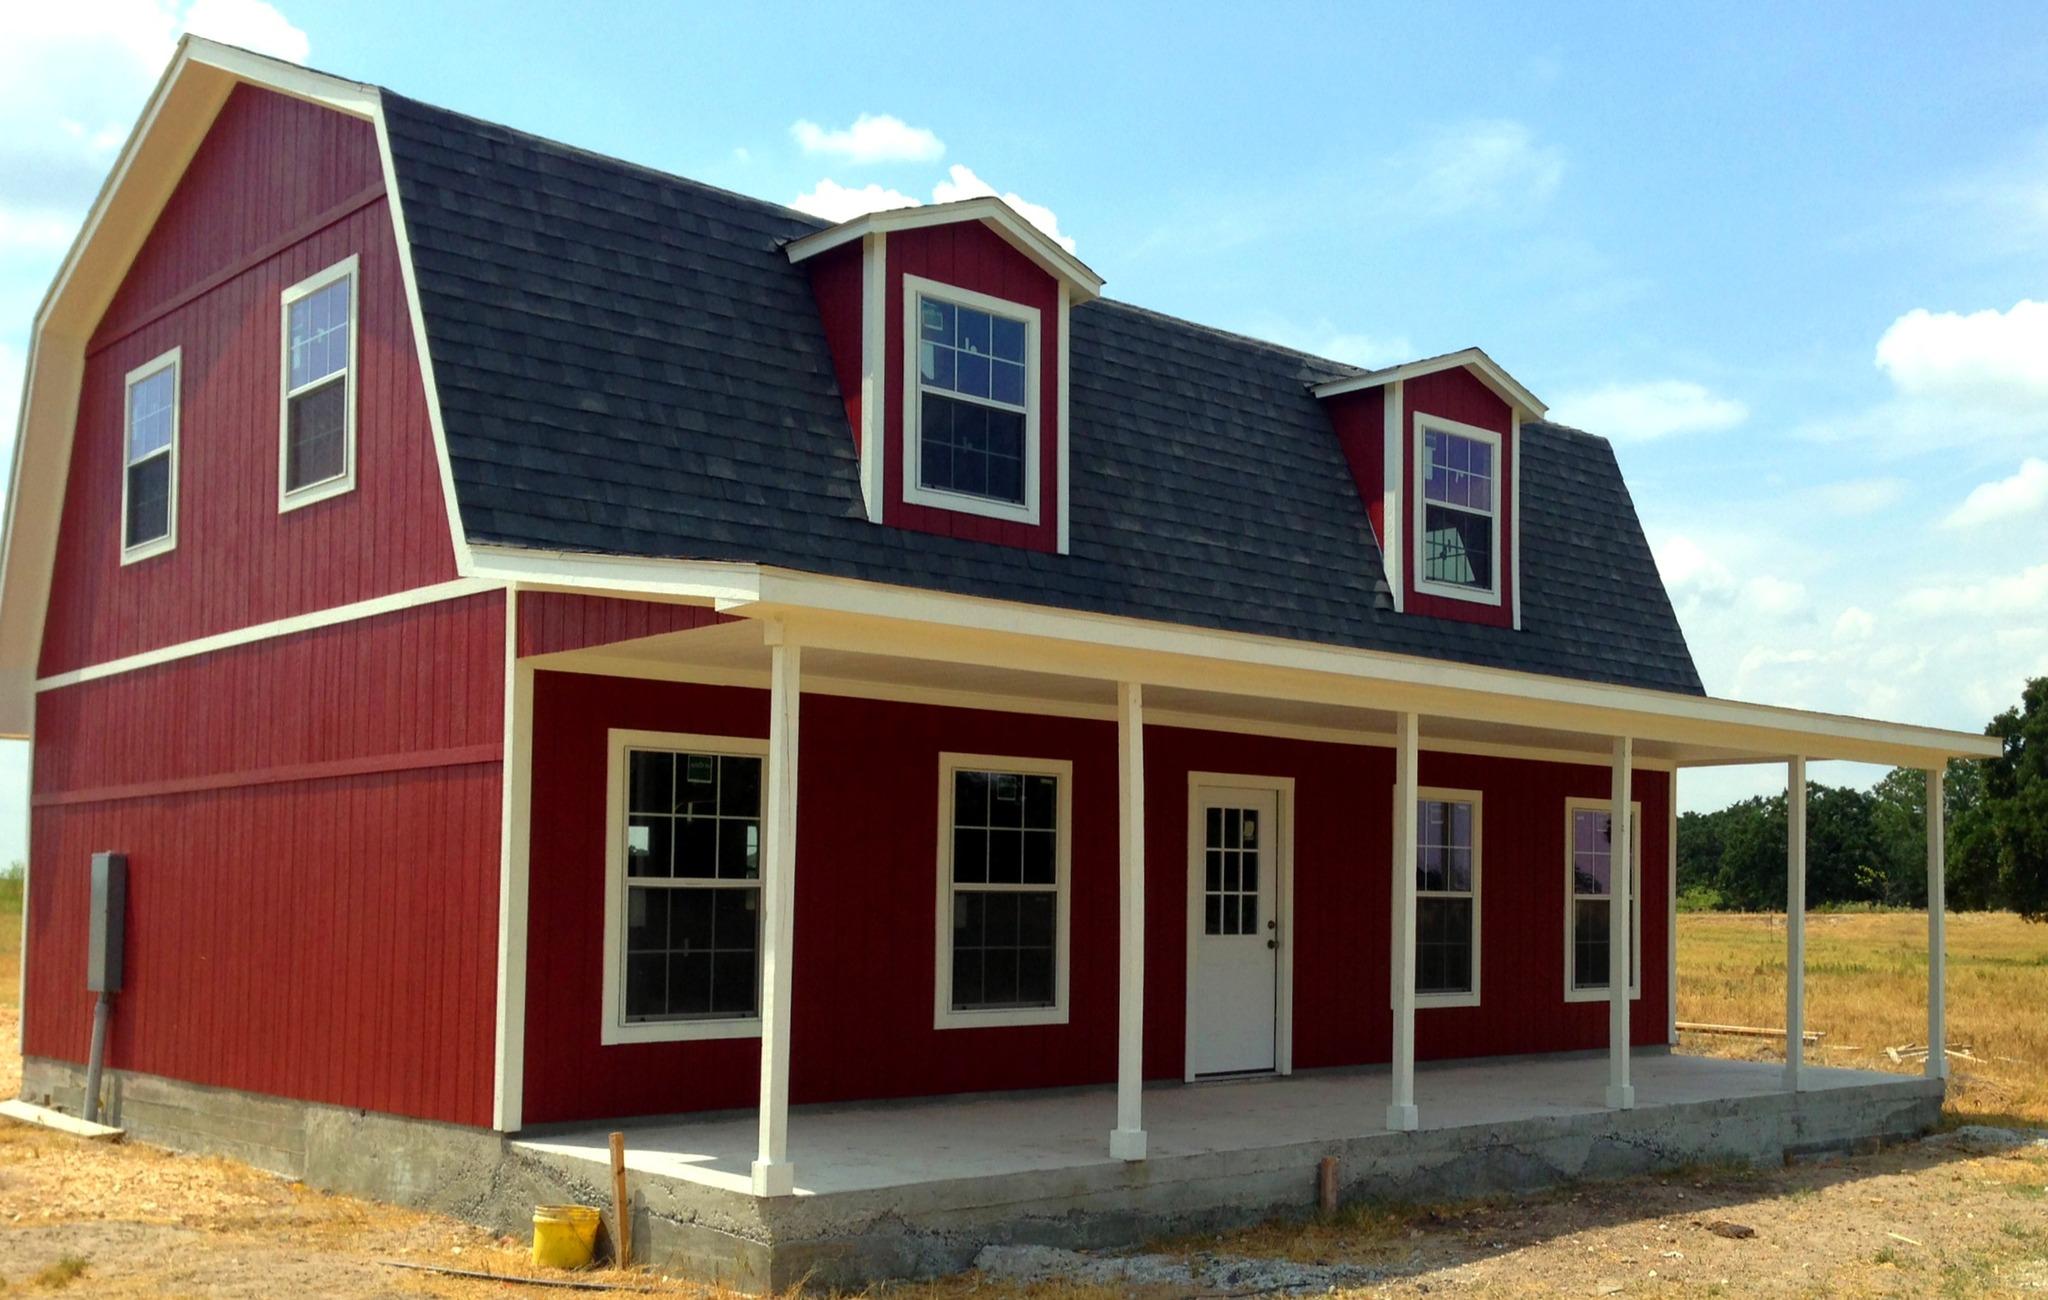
pixel 172 360
pixel 944 1016
pixel 1423 586
pixel 292 498
pixel 914 492
pixel 1442 794
pixel 1572 993
pixel 614 1027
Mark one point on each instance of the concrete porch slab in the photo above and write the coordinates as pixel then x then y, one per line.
pixel 916 1188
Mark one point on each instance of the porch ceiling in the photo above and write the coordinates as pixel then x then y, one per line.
pixel 921 670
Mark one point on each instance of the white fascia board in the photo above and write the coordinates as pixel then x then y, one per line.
pixel 1206 660
pixel 1489 371
pixel 723 583
pixel 991 211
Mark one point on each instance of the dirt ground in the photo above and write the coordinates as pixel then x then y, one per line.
pixel 1949 1217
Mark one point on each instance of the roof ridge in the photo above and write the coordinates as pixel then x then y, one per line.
pixel 534 137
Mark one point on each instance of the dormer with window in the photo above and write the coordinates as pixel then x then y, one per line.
pixel 1434 449
pixel 948 329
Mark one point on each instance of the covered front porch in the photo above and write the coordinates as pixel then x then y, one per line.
pixel 918 1187
pixel 1135 688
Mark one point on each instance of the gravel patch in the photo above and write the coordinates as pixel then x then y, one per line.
pixel 1985 1137
pixel 1231 1274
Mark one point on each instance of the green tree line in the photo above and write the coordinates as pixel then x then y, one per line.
pixel 1870 846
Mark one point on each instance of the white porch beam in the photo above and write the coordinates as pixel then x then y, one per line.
pixel 1937 929
pixel 774 1175
pixel 1795 921
pixel 1127 1140
pixel 1402 1116
pixel 1621 1093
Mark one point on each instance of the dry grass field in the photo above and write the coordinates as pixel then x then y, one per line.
pixel 1932 1219
pixel 1866 990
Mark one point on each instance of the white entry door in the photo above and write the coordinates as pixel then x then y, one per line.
pixel 1234 923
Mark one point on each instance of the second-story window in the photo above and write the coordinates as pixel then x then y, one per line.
pixel 971 424
pixel 149 482
pixel 319 420
pixel 1458 541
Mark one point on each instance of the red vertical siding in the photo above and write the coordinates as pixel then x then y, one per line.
pixel 866 876
pixel 279 190
pixel 1361 425
pixel 836 283
pixel 550 621
pixel 312 828
pixel 971 256
pixel 1459 395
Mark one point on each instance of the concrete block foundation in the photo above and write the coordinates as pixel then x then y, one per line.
pixel 916 1189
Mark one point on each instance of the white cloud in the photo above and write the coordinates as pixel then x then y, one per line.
pixel 251 24
pixel 835 202
pixel 1854 624
pixel 44 231
pixel 1983 356
pixel 871 139
pixel 1858 496
pixel 1652 409
pixel 1480 167
pixel 961 183
pixel 2024 493
pixel 2025 592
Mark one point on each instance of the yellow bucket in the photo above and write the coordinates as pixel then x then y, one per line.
pixel 564 1235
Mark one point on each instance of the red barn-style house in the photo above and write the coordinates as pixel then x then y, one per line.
pixel 562 646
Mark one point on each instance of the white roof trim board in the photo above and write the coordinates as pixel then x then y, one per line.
pixel 989 210
pixel 1486 368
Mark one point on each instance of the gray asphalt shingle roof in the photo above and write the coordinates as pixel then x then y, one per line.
pixel 629 364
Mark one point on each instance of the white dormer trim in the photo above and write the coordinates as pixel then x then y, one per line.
pixel 874 352
pixel 1392 498
pixel 1514 528
pixel 989 210
pixel 1487 370
pixel 1423 586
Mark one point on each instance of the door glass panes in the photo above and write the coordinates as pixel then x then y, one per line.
pixel 693 896
pixel 1005 889
pixel 1232 849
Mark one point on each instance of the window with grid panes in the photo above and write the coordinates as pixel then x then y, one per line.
pixel 1446 895
pixel 1234 847
pixel 1004 884
pixel 973 401
pixel 1592 850
pixel 693 886
pixel 1458 505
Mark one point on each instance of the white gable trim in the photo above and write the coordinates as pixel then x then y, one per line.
pixel 990 211
pixel 1485 368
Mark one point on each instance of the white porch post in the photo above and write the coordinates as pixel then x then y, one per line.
pixel 1937 908
pixel 773 1173
pixel 1401 1113
pixel 1795 921
pixel 1621 1094
pixel 1127 1140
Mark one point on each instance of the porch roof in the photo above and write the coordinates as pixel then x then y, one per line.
pixel 868 640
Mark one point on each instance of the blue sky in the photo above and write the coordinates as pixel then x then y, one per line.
pixel 1794 260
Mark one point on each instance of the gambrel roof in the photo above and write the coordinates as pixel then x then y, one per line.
pixel 628 363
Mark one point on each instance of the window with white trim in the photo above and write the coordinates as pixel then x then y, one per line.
pixel 683 930
pixel 1003 869
pixel 1447 897
pixel 1457 543
pixel 1589 853
pixel 971 423
pixel 317 417
pixel 149 473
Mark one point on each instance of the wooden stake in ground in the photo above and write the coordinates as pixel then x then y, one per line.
pixel 622 1217
pixel 1326 1186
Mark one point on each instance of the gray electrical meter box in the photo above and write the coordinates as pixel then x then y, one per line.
pixel 107 927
